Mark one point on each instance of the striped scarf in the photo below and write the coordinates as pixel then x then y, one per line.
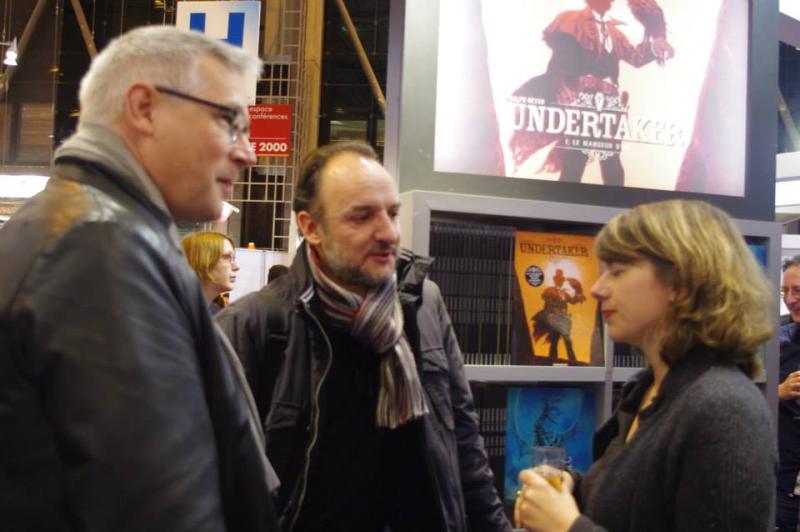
pixel 376 320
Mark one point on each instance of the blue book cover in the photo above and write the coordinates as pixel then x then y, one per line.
pixel 759 251
pixel 559 417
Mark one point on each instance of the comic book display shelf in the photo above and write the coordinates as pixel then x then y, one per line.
pixel 516 275
pixel 424 211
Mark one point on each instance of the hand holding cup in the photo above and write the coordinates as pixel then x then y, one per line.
pixel 541 507
pixel 550 463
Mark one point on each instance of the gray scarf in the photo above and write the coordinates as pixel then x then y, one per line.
pixel 376 320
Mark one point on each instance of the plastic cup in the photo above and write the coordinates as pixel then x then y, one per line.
pixel 549 462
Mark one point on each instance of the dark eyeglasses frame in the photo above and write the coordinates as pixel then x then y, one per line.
pixel 793 290
pixel 231 114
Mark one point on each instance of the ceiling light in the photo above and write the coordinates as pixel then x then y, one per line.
pixel 21 186
pixel 11 54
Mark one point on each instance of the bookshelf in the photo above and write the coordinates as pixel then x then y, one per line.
pixel 423 209
pixel 623 374
pixel 535 374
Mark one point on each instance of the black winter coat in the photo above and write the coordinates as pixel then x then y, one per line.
pixel 282 384
pixel 118 408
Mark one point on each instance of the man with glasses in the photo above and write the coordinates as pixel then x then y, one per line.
pixel 121 408
pixel 789 404
pixel 238 122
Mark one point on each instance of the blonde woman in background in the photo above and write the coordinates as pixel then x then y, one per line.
pixel 212 257
pixel 691 446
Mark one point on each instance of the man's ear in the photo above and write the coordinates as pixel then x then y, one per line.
pixel 309 227
pixel 138 107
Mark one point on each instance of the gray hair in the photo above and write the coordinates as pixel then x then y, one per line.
pixel 794 261
pixel 153 54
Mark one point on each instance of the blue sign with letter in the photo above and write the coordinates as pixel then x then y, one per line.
pixel 235 22
pixel 197 22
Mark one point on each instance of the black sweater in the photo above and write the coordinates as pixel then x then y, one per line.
pixel 703 457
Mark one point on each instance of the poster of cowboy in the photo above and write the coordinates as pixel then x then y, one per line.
pixel 630 93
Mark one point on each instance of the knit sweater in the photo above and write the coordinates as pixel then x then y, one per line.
pixel 703 457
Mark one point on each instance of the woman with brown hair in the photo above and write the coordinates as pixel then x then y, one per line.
pixel 691 445
pixel 212 257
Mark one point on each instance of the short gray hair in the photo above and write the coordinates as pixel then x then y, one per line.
pixel 792 262
pixel 153 54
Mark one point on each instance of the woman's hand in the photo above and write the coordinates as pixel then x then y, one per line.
pixel 540 506
pixel 790 388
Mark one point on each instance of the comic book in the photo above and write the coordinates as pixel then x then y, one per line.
pixel 557 417
pixel 556 321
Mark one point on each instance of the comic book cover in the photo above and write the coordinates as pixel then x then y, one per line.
pixel 630 93
pixel 557 417
pixel 555 318
pixel 759 251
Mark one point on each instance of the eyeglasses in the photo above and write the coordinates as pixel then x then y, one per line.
pixel 793 290
pixel 238 124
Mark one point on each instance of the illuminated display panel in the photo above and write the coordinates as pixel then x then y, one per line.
pixel 548 100
pixel 635 96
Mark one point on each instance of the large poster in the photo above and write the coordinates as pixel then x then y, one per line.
pixel 636 93
pixel 555 273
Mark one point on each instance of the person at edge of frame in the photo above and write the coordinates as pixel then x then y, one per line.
pixel 691 446
pixel 121 406
pixel 788 491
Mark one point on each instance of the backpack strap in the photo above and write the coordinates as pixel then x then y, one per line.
pixel 277 324
pixel 270 360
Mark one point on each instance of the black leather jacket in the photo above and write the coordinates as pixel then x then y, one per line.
pixel 283 385
pixel 118 408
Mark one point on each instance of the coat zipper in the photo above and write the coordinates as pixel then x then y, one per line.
pixel 313 441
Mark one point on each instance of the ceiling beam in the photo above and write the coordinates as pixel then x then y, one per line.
pixel 362 57
pixel 87 35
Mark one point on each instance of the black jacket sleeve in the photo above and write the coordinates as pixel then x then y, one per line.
pixel 245 324
pixel 483 506
pixel 109 346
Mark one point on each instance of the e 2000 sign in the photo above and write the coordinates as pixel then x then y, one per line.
pixel 271 129
pixel 270 148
